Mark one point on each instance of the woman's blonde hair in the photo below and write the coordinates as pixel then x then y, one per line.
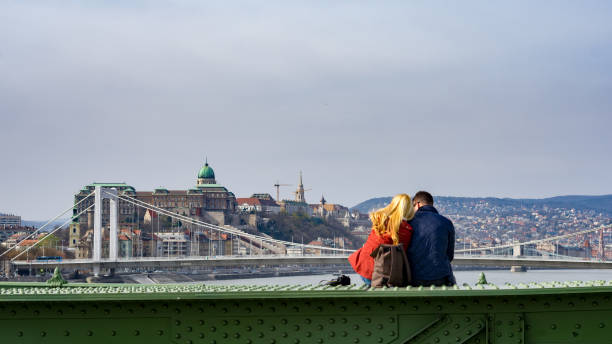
pixel 388 219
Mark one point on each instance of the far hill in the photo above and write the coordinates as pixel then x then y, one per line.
pixel 601 204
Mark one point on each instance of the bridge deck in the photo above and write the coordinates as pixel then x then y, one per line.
pixel 578 312
pixel 185 262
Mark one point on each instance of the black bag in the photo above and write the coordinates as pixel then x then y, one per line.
pixel 341 280
pixel 391 268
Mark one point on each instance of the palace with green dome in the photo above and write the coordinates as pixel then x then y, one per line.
pixel 207 201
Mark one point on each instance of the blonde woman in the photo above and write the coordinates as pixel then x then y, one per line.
pixel 389 226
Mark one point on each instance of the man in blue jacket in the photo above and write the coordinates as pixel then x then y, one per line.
pixel 432 245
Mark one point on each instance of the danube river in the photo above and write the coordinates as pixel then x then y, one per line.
pixel 499 277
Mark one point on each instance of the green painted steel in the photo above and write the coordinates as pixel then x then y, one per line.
pixel 576 312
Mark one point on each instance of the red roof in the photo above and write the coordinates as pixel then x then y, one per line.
pixel 249 201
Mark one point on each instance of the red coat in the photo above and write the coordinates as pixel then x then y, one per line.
pixel 363 263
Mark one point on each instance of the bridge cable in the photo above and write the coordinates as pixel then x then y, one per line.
pixel 55 230
pixel 46 224
pixel 221 229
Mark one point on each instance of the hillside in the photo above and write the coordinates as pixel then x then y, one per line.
pixel 302 228
pixel 601 204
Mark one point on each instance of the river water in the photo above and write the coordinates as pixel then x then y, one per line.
pixel 498 277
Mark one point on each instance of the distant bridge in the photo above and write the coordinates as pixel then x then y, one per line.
pixel 208 262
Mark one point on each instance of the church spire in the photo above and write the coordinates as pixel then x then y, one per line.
pixel 299 193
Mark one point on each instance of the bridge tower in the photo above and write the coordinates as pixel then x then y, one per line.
pixel 111 195
pixel 602 246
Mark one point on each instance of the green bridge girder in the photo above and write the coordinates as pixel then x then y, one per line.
pixel 577 312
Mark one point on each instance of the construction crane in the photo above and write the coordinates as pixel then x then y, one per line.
pixel 277 186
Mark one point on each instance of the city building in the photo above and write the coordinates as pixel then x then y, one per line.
pixel 259 203
pixel 8 232
pixel 207 201
pixel 298 205
pixel 10 220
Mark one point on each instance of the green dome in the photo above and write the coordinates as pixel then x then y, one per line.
pixel 206 172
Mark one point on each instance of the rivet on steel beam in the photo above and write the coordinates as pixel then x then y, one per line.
pixel 189 329
pixel 467 319
pixel 355 327
pixel 90 333
pixel 344 334
pixel 177 336
pixel 578 326
pixel 446 333
pixel 320 340
pixel 602 325
pixel 66 333
pixel 392 333
pixel 308 334
pixel 436 340
pixel 19 334
pixel 60 313
pixel 213 329
pixel 160 332
pixel 468 332
pixel 177 322
pixel 456 326
pixel 224 322
pixel 356 340
pixel 284 334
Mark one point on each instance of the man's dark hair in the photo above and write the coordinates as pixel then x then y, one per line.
pixel 423 197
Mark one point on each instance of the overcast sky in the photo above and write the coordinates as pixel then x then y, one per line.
pixel 368 99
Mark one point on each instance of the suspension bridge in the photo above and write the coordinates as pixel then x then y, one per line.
pixel 257 250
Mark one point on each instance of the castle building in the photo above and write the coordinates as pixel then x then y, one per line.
pixel 207 201
pixel 299 205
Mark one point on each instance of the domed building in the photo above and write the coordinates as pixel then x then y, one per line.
pixel 207 201
pixel 206 175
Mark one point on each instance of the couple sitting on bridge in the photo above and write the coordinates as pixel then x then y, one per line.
pixel 427 237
